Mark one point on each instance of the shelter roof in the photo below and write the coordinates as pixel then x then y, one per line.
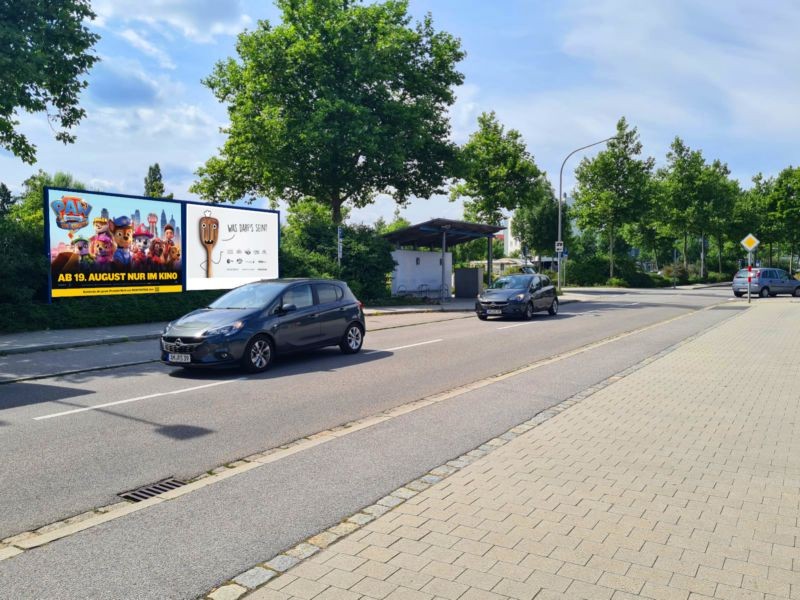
pixel 430 232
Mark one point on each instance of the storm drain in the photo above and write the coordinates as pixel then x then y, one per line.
pixel 152 490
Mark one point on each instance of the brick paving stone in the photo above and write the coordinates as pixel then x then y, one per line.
pixel 678 479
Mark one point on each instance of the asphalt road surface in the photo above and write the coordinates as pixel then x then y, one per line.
pixel 73 443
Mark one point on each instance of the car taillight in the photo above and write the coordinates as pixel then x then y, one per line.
pixel 360 304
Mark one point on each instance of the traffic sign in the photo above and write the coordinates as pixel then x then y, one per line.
pixel 750 242
pixel 559 246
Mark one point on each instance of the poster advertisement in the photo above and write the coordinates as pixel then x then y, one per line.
pixel 227 246
pixel 103 244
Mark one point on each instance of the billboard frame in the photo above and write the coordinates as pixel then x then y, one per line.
pixel 182 203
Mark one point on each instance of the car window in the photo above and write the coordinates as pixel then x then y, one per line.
pixel 536 283
pixel 252 295
pixel 299 295
pixel 545 281
pixel 327 293
pixel 512 282
pixel 742 273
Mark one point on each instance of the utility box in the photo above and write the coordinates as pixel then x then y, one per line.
pixel 468 282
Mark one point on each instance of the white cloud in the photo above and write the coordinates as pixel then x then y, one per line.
pixel 199 20
pixel 139 42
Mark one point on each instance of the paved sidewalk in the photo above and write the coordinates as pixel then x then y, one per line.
pixel 680 480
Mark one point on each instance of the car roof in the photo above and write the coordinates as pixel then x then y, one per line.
pixel 290 280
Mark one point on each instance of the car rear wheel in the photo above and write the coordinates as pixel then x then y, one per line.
pixel 258 354
pixel 796 293
pixel 553 310
pixel 528 314
pixel 738 294
pixel 764 292
pixel 352 339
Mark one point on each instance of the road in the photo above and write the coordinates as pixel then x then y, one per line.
pixel 72 443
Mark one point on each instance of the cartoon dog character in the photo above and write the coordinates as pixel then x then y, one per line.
pixel 121 229
pixel 141 243
pixel 105 250
pixel 155 254
pixel 80 246
pixel 173 259
pixel 100 225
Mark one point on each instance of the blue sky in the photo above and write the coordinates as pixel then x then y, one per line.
pixel 722 75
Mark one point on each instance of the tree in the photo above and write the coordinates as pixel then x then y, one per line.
pixel 398 222
pixel 46 50
pixel 722 191
pixel 496 171
pixel 612 187
pixel 6 199
pixel 339 102
pixel 153 183
pixel 535 222
pixel 786 202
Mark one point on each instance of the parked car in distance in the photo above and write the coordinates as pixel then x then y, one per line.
pixel 765 282
pixel 517 295
pixel 249 324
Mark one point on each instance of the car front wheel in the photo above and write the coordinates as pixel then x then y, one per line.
pixel 352 339
pixel 528 314
pixel 553 310
pixel 257 354
pixel 764 292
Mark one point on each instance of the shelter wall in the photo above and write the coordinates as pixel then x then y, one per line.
pixel 419 273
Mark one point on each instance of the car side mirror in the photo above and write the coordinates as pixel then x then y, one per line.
pixel 287 308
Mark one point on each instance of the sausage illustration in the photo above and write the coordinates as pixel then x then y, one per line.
pixel 209 233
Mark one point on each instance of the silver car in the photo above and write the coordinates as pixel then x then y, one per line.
pixel 765 282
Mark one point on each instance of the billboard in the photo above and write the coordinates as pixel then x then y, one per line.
pixel 227 247
pixel 102 244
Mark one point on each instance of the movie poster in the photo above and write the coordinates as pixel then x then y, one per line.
pixel 227 247
pixel 102 244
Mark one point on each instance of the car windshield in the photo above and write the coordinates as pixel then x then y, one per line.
pixel 744 273
pixel 513 282
pixel 252 295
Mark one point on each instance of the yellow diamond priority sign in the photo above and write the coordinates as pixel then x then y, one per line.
pixel 750 243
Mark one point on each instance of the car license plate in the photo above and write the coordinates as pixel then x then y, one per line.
pixel 180 358
pixel 494 311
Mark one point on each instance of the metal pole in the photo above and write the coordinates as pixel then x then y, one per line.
pixel 674 265
pixel 444 249
pixel 749 273
pixel 560 197
pixel 489 261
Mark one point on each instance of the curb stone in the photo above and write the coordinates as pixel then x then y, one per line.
pixel 437 474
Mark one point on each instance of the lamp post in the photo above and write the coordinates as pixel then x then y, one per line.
pixel 560 242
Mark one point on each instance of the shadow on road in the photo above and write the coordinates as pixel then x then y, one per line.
pixel 14 395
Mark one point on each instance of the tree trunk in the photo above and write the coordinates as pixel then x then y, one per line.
pixel 655 256
pixel 611 251
pixel 336 211
pixel 770 254
pixel 702 256
pixel 686 251
pixel 719 251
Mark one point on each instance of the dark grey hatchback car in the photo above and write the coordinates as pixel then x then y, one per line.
pixel 250 324
pixel 517 296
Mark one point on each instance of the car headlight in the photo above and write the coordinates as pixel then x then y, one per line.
pixel 224 330
pixel 518 298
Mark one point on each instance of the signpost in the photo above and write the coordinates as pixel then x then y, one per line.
pixel 559 250
pixel 749 243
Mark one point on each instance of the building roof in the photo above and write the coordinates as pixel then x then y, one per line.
pixel 430 232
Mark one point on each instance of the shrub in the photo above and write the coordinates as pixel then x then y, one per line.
pixel 587 271
pixel 616 282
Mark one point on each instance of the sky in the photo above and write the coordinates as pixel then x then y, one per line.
pixel 721 75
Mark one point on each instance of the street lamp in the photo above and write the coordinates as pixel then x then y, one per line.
pixel 560 242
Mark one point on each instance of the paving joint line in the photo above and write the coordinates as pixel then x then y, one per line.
pixel 27 540
pixel 260 574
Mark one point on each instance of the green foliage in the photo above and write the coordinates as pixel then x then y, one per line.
pixel 613 187
pixel 45 53
pixel 586 271
pixel 617 282
pixel 6 199
pixel 308 249
pixel 475 250
pixel 338 102
pixel 382 227
pixel 785 206
pixel 535 222
pixel 497 173
pixel 154 184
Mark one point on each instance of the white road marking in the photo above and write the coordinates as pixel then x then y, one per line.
pixel 126 401
pixel 412 345
pixel 510 326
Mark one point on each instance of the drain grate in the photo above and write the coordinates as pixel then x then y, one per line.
pixel 154 489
